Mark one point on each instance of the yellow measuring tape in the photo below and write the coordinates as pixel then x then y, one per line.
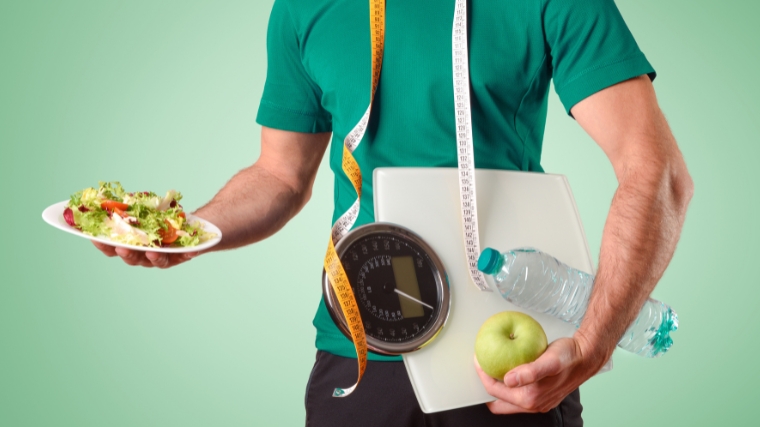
pixel 333 267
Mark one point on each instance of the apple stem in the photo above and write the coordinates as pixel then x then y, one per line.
pixel 511 336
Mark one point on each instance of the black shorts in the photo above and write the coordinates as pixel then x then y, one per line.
pixel 385 398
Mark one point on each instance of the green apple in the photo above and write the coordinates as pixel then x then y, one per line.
pixel 506 340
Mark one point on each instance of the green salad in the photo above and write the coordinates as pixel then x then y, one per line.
pixel 139 219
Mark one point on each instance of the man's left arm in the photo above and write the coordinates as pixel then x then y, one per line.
pixel 639 238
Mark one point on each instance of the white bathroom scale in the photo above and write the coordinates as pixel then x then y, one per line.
pixel 515 209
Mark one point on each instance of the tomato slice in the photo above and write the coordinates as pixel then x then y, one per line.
pixel 169 235
pixel 111 205
pixel 182 215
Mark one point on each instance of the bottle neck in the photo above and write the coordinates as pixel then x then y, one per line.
pixel 497 267
pixel 490 261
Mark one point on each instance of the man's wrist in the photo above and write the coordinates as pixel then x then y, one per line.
pixel 595 350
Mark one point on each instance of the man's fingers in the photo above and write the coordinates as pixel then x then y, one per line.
pixel 190 255
pixel 554 360
pixel 127 254
pixel 484 378
pixel 533 372
pixel 504 394
pixel 108 250
pixel 145 259
pixel 501 407
pixel 538 386
pixel 493 387
pixel 133 258
pixel 180 258
pixel 159 260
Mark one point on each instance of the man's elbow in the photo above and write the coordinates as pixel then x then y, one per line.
pixel 305 196
pixel 664 168
pixel 681 188
pixel 661 176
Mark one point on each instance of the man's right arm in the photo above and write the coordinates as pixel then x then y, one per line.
pixel 258 201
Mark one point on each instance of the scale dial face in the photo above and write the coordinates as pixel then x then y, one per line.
pixel 399 286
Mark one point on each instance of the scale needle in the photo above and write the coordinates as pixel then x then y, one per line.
pixel 405 295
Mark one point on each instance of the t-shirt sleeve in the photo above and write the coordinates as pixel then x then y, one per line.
pixel 291 99
pixel 591 48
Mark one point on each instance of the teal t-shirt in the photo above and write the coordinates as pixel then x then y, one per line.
pixel 319 73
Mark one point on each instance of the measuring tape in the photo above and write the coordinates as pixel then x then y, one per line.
pixel 465 160
pixel 466 153
pixel 333 267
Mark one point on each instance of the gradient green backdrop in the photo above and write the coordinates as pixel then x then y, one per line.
pixel 163 95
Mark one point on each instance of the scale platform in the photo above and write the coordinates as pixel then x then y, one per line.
pixel 515 209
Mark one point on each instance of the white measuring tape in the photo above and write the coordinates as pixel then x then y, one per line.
pixel 465 151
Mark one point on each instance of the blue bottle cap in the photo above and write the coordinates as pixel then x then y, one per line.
pixel 489 261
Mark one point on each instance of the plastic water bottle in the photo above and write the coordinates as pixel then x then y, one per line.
pixel 537 281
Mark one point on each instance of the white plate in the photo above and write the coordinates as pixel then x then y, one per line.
pixel 53 215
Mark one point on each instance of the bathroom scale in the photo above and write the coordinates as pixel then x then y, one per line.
pixel 515 209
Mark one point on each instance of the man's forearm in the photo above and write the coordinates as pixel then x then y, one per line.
pixel 639 239
pixel 252 206
pixel 261 199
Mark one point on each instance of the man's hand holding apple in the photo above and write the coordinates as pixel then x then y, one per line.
pixel 541 385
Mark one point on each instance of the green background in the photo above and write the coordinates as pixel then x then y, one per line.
pixel 163 95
